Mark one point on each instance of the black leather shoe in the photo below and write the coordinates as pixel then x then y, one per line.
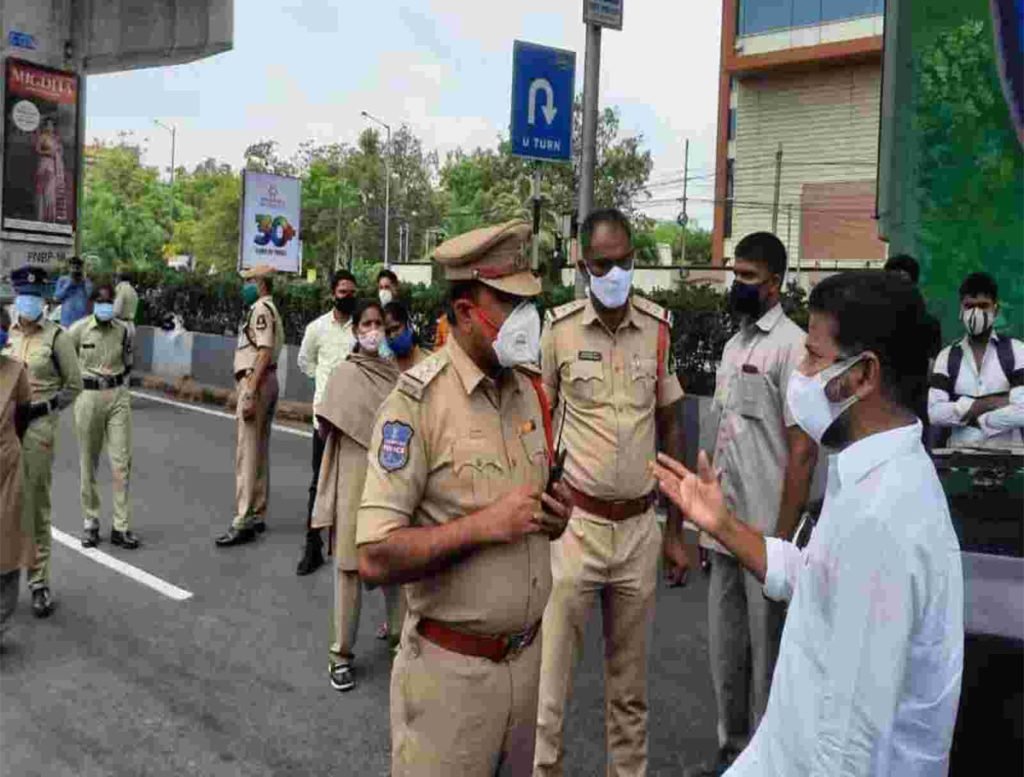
pixel 42 602
pixel 259 527
pixel 90 538
pixel 124 539
pixel 235 536
pixel 313 554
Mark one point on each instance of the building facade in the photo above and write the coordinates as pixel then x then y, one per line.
pixel 798 126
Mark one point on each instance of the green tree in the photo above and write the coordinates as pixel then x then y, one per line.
pixel 491 185
pixel 127 213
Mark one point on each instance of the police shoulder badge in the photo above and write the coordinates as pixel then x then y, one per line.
pixel 393 453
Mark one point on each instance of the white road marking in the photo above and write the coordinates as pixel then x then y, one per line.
pixel 219 413
pixel 136 574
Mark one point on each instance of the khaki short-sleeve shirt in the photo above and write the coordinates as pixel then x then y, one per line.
pixel 448 442
pixel 263 328
pixel 104 350
pixel 751 448
pixel 608 385
pixel 50 356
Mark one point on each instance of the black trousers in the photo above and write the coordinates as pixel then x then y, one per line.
pixel 318 455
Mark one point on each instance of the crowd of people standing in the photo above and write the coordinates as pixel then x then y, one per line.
pixel 502 486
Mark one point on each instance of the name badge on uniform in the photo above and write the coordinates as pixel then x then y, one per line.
pixel 589 356
pixel 393 453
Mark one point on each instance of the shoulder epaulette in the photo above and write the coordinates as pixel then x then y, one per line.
pixel 562 312
pixel 653 309
pixel 414 381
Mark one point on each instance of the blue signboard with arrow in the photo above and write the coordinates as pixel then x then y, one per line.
pixel 543 84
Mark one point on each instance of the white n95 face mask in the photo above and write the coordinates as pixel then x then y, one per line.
pixel 518 340
pixel 813 411
pixel 385 296
pixel 612 288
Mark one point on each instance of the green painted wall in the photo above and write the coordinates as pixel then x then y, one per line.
pixel 951 177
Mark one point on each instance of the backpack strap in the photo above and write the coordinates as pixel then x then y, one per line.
pixel 947 382
pixel 1004 350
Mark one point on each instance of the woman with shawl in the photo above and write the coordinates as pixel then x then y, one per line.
pixel 15 394
pixel 356 389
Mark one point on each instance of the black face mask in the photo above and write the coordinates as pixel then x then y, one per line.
pixel 745 299
pixel 345 305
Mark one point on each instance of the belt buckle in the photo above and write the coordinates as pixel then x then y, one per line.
pixel 517 643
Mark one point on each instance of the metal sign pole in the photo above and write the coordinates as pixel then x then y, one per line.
pixel 592 71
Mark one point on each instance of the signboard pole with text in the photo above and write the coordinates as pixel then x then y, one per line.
pixel 271 212
pixel 596 14
pixel 543 85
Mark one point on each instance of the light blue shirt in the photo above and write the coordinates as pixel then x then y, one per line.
pixel 73 298
pixel 868 676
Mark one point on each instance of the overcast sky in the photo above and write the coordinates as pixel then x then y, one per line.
pixel 306 68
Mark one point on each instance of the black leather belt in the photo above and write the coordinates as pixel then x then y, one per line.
pixel 40 409
pixel 99 384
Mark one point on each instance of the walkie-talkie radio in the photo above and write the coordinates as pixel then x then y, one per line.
pixel 558 466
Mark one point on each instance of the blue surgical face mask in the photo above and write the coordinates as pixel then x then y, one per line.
pixel 28 306
pixel 402 344
pixel 104 311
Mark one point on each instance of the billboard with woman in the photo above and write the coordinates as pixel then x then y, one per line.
pixel 40 149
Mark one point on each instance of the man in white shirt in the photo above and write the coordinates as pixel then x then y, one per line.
pixel 976 390
pixel 325 343
pixel 868 675
pixel 764 459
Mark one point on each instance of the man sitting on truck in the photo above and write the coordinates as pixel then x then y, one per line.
pixel 976 388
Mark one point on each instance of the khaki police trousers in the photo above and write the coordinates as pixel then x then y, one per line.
pixel 460 716
pixel 616 563
pixel 105 417
pixel 252 454
pixel 744 630
pixel 348 602
pixel 37 451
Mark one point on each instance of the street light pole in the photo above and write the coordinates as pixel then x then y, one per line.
pixel 387 188
pixel 174 132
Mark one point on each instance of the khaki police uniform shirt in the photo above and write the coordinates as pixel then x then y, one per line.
pixel 263 328
pixel 126 301
pixel 39 349
pixel 448 442
pixel 751 449
pixel 607 386
pixel 104 350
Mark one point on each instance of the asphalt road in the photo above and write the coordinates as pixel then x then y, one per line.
pixel 123 680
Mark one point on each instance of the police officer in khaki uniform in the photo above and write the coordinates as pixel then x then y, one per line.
pixel 56 381
pixel 103 415
pixel 259 344
pixel 454 507
pixel 126 302
pixel 606 369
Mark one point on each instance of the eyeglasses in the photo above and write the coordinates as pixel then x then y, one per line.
pixel 599 265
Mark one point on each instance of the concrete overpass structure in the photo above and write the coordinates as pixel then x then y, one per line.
pixel 80 38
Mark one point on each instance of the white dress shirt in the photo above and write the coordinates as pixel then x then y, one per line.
pixel 868 676
pixel 325 344
pixel 997 428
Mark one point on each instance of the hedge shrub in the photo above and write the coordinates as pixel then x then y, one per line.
pixel 701 323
